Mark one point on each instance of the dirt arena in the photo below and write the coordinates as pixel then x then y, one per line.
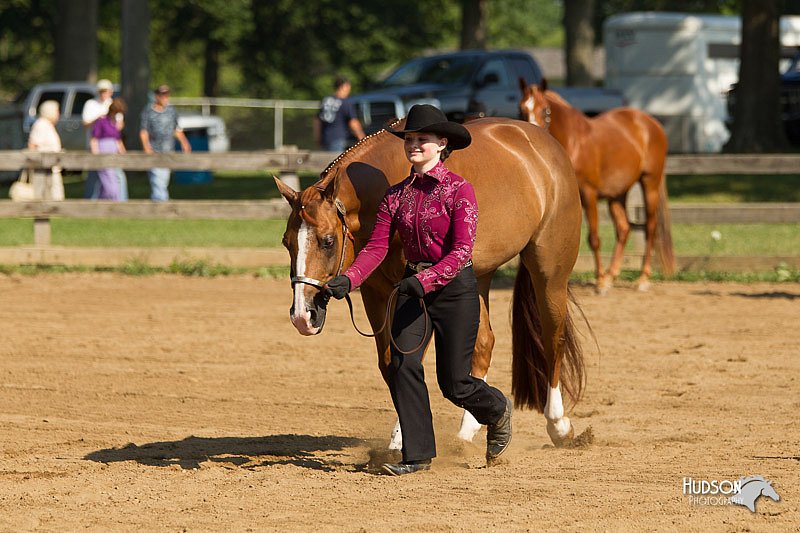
pixel 169 403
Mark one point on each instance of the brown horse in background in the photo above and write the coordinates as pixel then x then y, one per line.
pixel 529 206
pixel 610 153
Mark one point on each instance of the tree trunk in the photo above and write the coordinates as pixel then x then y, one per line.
pixel 135 66
pixel 76 41
pixel 757 124
pixel 474 20
pixel 211 68
pixel 579 42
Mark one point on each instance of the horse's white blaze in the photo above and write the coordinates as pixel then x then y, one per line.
pixel 558 425
pixel 469 426
pixel 301 318
pixel 396 442
pixel 530 107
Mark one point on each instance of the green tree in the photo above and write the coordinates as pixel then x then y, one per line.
pixel 297 48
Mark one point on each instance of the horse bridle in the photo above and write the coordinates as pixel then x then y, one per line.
pixel 546 113
pixel 347 235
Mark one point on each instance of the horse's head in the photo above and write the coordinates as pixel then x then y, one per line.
pixel 533 107
pixel 316 237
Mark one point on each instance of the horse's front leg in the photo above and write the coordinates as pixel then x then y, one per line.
pixel 589 201
pixel 481 357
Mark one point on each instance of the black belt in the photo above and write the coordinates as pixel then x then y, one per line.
pixel 419 266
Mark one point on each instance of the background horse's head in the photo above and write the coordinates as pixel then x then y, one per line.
pixel 317 238
pixel 533 106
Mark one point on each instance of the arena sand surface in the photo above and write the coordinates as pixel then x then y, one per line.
pixel 170 403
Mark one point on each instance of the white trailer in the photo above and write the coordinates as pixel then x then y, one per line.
pixel 679 67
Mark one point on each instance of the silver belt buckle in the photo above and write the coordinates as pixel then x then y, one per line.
pixel 420 266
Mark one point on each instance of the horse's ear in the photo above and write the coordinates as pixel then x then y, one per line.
pixel 543 84
pixel 523 85
pixel 287 192
pixel 330 184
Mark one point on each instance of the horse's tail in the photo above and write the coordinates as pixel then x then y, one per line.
pixel 531 370
pixel 664 250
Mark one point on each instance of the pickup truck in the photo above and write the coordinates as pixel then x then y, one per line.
pixel 465 85
pixel 71 97
pixel 790 101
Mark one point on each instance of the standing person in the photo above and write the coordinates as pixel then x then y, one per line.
pixel 93 110
pixel 45 138
pixel 435 214
pixel 159 125
pixel 336 119
pixel 107 139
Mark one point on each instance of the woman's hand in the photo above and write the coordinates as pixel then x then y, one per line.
pixel 338 287
pixel 411 287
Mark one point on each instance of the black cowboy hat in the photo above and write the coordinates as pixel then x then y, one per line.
pixel 427 118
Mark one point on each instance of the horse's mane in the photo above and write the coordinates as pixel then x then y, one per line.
pixel 555 97
pixel 360 144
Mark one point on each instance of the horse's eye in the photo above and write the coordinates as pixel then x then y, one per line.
pixel 327 241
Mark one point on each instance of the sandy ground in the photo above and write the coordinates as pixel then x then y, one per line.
pixel 169 403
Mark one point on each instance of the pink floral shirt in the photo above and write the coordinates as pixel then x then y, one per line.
pixel 436 215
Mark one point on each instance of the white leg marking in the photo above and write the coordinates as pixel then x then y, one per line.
pixel 469 426
pixel 558 425
pixel 396 442
pixel 301 317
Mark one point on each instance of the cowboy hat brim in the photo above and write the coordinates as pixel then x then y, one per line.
pixel 458 136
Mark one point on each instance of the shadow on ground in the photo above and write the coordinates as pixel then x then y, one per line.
pixel 305 451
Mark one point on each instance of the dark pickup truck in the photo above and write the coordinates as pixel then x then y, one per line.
pixel 466 85
pixel 790 101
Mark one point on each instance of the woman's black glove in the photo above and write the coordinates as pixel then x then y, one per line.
pixel 412 287
pixel 338 287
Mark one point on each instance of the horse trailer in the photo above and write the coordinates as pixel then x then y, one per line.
pixel 679 68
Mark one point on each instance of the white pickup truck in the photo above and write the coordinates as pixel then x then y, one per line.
pixel 15 123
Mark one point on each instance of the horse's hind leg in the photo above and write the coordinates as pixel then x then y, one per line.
pixel 481 357
pixel 622 228
pixel 550 277
pixel 650 186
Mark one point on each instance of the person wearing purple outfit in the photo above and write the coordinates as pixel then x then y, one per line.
pixel 107 139
pixel 435 213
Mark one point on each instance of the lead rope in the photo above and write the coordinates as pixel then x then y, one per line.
pixel 392 296
pixel 386 322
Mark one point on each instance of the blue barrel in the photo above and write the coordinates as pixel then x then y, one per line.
pixel 198 140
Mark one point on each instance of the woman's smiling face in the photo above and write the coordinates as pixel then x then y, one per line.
pixel 423 149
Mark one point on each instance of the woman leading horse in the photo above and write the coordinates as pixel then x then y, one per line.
pixel 529 206
pixel 610 153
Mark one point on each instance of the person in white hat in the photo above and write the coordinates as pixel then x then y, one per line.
pixel 93 110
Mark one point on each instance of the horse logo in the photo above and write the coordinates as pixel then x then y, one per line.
pixel 751 488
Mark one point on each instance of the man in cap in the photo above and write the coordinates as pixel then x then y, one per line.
pixel 159 126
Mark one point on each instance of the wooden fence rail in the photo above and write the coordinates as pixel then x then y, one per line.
pixel 287 162
pixel 313 161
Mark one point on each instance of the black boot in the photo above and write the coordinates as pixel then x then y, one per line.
pixel 498 435
pixel 398 469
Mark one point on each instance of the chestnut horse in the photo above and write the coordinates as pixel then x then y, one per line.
pixel 529 206
pixel 610 153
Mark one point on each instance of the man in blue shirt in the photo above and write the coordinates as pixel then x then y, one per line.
pixel 159 128
pixel 336 118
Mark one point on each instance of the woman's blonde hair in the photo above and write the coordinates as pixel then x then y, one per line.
pixel 49 110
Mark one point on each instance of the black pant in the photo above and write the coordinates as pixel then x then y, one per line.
pixel 454 314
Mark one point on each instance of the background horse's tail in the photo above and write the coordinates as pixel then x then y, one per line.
pixel 664 252
pixel 531 370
